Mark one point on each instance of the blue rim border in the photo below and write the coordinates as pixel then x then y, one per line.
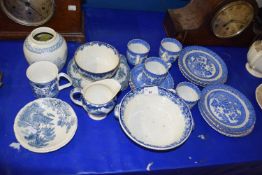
pixel 245 130
pixel 195 80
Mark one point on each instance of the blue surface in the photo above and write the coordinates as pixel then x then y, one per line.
pixel 100 147
pixel 148 5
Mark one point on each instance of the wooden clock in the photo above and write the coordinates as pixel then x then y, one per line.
pixel 19 17
pixel 213 22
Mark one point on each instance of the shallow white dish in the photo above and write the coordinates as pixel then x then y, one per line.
pixel 45 125
pixel 155 118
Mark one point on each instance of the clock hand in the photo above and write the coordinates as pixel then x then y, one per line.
pixel 233 21
pixel 29 5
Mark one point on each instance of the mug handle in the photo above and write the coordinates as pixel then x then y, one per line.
pixel 164 56
pixel 137 60
pixel 172 90
pixel 67 78
pixel 73 93
pixel 117 111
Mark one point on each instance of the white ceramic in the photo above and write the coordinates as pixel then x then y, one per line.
pixel 189 92
pixel 122 75
pixel 169 50
pixel 137 51
pixel 97 60
pixel 155 118
pixel 44 79
pixel 227 110
pixel 254 59
pixel 53 50
pixel 97 98
pixel 259 95
pixel 45 125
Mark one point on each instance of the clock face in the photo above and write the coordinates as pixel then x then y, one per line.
pixel 232 19
pixel 28 12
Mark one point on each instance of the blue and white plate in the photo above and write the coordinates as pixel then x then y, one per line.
pixel 227 110
pixel 155 118
pixel 122 75
pixel 136 79
pixel 45 125
pixel 202 66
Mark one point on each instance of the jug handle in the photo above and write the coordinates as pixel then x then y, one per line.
pixel 73 93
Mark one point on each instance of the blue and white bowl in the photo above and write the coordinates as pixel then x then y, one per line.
pixel 122 75
pixel 169 50
pixel 97 60
pixel 155 118
pixel 137 51
pixel 189 92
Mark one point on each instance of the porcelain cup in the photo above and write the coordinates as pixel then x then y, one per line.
pixel 97 98
pixel 44 79
pixel 137 51
pixel 169 50
pixel 155 71
pixel 254 59
pixel 189 92
pixel 97 60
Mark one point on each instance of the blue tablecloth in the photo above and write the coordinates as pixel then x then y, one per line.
pixel 101 146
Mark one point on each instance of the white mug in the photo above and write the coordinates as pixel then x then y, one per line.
pixel 44 79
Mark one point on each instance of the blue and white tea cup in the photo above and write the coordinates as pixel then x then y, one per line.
pixel 97 60
pixel 155 71
pixel 137 51
pixel 169 50
pixel 189 92
pixel 44 79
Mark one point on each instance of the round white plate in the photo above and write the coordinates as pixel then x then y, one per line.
pixel 45 125
pixel 202 66
pixel 227 110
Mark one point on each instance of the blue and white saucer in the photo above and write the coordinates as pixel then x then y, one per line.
pixel 202 66
pixel 45 125
pixel 227 110
pixel 136 79
pixel 122 75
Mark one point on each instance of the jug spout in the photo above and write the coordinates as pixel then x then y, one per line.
pixel 112 84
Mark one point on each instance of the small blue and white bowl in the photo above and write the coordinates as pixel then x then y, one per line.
pixel 137 51
pixel 189 92
pixel 169 50
pixel 155 71
pixel 97 60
